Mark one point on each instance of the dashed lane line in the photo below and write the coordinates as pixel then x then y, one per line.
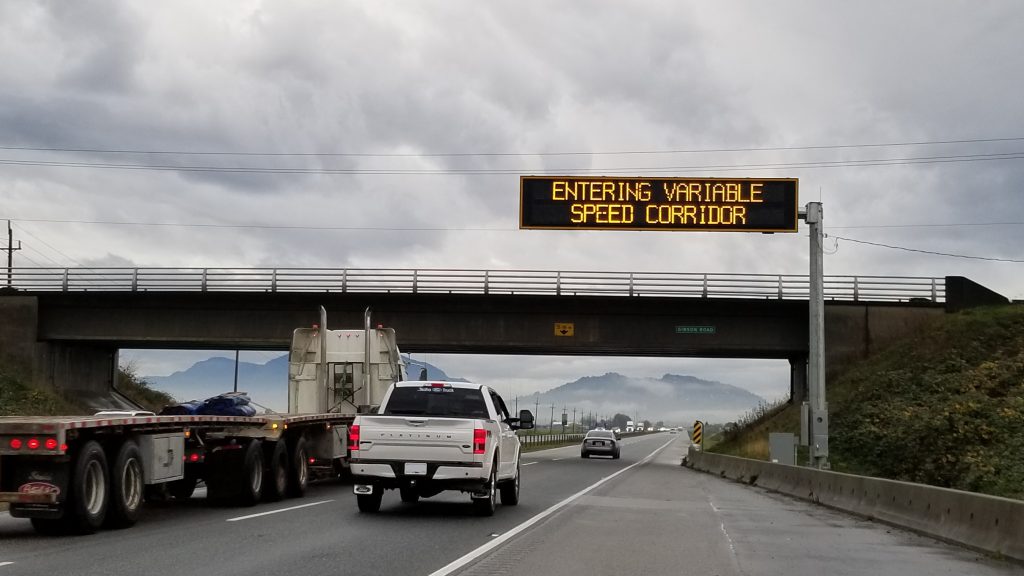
pixel 473 555
pixel 279 510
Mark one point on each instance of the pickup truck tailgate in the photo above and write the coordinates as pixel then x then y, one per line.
pixel 419 438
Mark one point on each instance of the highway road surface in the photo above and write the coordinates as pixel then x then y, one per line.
pixel 642 514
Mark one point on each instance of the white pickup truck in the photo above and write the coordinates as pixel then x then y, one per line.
pixel 428 437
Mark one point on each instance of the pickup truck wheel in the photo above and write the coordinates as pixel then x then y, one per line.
pixel 409 495
pixel 370 503
pixel 275 485
pixel 486 506
pixel 510 490
pixel 584 455
pixel 298 467
pixel 126 486
pixel 250 477
pixel 89 496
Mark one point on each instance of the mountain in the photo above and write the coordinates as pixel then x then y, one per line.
pixel 675 399
pixel 266 384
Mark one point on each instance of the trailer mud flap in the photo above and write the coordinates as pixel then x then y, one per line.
pixel 41 487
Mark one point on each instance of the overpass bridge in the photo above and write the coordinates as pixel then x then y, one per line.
pixel 64 326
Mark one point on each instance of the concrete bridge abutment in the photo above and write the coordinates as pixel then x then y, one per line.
pixel 78 368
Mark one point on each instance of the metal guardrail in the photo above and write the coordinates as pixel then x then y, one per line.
pixel 540 439
pixel 453 281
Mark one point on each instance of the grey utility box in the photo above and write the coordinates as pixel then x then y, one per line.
pixel 163 457
pixel 782 448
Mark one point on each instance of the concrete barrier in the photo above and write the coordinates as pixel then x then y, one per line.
pixel 987 523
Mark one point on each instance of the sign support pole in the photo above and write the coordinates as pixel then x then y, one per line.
pixel 818 407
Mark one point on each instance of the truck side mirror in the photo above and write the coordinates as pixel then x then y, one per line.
pixel 525 419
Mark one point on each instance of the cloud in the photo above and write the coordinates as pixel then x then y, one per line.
pixel 405 79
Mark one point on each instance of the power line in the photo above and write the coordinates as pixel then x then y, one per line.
pixel 511 154
pixel 948 225
pixel 516 171
pixel 419 229
pixel 23 229
pixel 265 226
pixel 926 251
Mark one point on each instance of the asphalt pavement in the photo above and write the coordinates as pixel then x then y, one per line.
pixel 641 514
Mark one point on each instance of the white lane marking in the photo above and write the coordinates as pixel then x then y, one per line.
pixel 529 463
pixel 721 526
pixel 557 459
pixel 473 555
pixel 281 510
pixel 2 564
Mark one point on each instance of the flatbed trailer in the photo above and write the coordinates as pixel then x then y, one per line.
pixel 76 474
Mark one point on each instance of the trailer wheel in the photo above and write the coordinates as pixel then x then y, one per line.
pixel 298 468
pixel 276 484
pixel 126 486
pixel 370 503
pixel 250 477
pixel 88 500
pixel 219 474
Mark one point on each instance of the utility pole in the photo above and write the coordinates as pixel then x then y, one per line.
pixel 536 405
pixel 10 252
pixel 574 420
pixel 236 370
pixel 551 422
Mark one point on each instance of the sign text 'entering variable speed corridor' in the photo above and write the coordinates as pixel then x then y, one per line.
pixel 701 204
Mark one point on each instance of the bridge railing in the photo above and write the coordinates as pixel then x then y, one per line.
pixel 470 281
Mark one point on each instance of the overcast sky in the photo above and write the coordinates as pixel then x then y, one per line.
pixel 411 81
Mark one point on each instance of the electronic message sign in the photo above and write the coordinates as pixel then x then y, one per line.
pixel 696 204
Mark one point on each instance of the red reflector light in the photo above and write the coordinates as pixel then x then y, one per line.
pixel 63 447
pixel 51 443
pixel 15 443
pixel 353 437
pixel 193 457
pixel 479 441
pixel 312 460
pixel 33 443
pixel 437 385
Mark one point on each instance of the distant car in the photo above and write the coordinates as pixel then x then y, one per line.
pixel 604 442
pixel 672 431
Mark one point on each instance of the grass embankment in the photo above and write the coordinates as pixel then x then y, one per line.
pixel 20 399
pixel 138 390
pixel 944 407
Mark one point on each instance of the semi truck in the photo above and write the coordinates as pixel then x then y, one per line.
pixel 78 474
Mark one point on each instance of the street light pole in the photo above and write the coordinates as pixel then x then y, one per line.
pixel 817 417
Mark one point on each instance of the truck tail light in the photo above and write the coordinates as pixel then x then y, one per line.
pixel 33 443
pixel 50 443
pixel 353 437
pixel 479 441
pixel 15 444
